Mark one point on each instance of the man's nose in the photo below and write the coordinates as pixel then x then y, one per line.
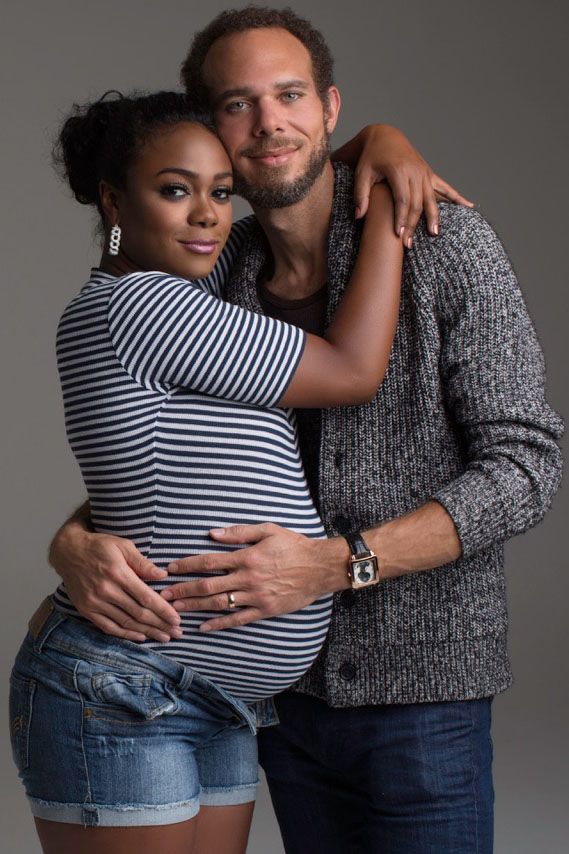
pixel 268 119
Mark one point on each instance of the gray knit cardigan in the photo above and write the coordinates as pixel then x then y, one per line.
pixel 461 418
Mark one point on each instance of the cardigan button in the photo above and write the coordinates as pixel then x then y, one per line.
pixel 347 671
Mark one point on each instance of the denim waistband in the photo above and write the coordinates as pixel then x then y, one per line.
pixel 82 639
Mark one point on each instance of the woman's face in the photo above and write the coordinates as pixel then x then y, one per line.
pixel 175 212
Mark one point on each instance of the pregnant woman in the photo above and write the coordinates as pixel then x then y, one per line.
pixel 176 407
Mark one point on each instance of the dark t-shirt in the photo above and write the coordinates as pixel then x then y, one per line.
pixel 308 313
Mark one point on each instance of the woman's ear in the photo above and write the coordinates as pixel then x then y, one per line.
pixel 109 202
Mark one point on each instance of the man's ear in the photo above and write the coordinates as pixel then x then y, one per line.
pixel 109 202
pixel 331 108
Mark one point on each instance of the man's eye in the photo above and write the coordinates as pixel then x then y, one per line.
pixel 173 191
pixel 290 96
pixel 236 106
pixel 222 194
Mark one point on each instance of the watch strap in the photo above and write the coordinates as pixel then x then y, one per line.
pixel 357 544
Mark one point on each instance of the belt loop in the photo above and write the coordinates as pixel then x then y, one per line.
pixel 266 713
pixel 45 619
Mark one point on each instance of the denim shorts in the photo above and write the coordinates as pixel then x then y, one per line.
pixel 107 733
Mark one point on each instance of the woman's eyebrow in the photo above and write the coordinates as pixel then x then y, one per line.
pixel 189 174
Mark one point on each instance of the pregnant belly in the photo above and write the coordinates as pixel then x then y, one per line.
pixel 257 660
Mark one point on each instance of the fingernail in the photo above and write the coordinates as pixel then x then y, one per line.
pixel 358 212
pixel 166 594
pixel 163 638
pixel 401 230
pixel 173 567
pixel 177 633
pixel 217 532
pixel 409 242
pixel 435 229
pixel 204 628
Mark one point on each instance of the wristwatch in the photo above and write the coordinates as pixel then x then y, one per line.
pixel 363 569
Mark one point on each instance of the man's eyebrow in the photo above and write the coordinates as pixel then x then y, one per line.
pixel 293 84
pixel 248 91
pixel 187 173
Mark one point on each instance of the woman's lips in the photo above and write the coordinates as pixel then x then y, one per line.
pixel 200 247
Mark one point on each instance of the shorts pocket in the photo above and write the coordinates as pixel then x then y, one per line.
pixel 22 692
pixel 130 698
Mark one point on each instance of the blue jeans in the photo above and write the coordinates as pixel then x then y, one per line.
pixel 109 733
pixel 408 779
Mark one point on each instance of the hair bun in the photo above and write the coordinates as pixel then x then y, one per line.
pixel 80 143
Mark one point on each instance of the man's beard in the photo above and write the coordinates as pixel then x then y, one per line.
pixel 277 192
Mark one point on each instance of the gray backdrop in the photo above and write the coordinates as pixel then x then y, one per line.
pixel 481 88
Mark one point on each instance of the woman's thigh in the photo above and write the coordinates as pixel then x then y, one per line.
pixel 59 838
pixel 223 830
pixel 216 830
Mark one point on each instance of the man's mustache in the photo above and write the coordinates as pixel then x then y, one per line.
pixel 271 144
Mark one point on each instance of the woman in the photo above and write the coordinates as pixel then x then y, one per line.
pixel 176 411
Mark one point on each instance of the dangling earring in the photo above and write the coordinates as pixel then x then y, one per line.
pixel 115 240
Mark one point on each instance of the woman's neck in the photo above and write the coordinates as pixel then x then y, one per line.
pixel 117 265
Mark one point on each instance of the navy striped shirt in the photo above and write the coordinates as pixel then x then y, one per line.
pixel 170 407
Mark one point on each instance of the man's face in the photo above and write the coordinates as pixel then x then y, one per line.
pixel 269 115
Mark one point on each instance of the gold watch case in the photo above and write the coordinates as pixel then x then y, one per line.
pixel 363 570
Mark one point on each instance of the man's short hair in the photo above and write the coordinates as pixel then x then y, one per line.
pixel 255 18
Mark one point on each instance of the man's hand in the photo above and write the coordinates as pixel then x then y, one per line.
pixel 279 573
pixel 103 577
pixel 382 153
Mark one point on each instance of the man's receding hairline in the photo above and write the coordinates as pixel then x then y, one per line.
pixel 256 30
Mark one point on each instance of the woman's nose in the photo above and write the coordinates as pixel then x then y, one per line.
pixel 203 213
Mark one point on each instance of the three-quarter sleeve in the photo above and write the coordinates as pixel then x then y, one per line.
pixel 168 332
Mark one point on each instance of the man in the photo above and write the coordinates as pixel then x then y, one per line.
pixel 385 744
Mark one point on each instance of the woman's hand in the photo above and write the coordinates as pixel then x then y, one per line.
pixel 383 153
pixel 104 578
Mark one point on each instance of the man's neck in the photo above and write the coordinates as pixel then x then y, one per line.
pixel 298 239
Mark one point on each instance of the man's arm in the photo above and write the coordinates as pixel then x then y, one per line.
pixel 284 571
pixel 494 381
pixel 104 578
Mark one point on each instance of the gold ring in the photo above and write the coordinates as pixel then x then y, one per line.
pixel 231 603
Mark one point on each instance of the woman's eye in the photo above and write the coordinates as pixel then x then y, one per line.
pixel 173 191
pixel 222 194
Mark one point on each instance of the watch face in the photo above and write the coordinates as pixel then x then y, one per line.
pixel 364 571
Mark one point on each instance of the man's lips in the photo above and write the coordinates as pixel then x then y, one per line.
pixel 276 157
pixel 200 247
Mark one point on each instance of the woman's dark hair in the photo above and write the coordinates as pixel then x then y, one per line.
pixel 253 18
pixel 99 141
